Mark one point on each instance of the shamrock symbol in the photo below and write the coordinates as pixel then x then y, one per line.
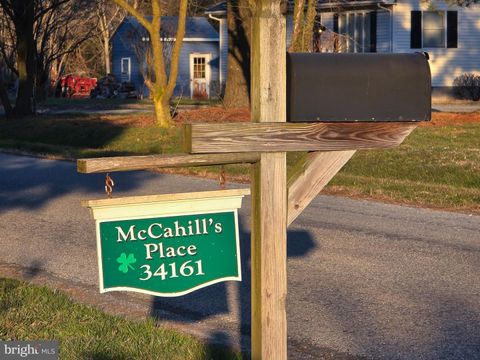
pixel 126 262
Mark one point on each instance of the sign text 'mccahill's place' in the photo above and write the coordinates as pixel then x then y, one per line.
pixel 158 230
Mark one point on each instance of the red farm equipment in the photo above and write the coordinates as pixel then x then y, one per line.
pixel 74 86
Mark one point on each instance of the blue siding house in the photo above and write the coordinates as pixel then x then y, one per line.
pixel 199 74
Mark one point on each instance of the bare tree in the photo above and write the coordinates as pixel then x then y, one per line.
pixel 7 60
pixel 21 14
pixel 109 16
pixel 237 89
pixel 87 59
pixel 160 83
pixel 42 31
pixel 58 32
pixel 138 39
pixel 239 13
pixel 303 22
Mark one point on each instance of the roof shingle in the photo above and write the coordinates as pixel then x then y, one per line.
pixel 195 27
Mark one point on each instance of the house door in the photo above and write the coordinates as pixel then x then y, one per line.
pixel 200 76
pixel 125 70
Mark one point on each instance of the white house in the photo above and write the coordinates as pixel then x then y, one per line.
pixel 450 34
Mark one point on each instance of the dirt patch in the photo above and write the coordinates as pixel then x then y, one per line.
pixel 445 119
pixel 203 115
pixel 213 115
pixel 219 114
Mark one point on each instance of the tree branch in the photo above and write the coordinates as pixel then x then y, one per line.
pixel 135 13
pixel 7 8
pixel 182 17
pixel 47 9
pixel 296 40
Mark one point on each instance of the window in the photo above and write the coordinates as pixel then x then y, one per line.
pixel 199 68
pixel 351 32
pixel 434 29
pixel 357 31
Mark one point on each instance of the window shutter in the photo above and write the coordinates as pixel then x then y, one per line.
pixel 335 30
pixel 416 30
pixel 335 23
pixel 452 29
pixel 373 31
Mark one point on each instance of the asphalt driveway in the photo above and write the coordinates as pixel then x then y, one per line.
pixel 366 280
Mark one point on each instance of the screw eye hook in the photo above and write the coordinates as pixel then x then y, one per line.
pixel 222 179
pixel 109 184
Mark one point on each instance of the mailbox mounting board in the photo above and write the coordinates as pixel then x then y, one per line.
pixel 358 87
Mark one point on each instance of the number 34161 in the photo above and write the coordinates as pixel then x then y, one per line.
pixel 171 271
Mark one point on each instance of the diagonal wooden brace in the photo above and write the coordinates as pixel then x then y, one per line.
pixel 310 176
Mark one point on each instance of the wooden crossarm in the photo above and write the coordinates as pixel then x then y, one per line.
pixel 272 137
pixel 130 163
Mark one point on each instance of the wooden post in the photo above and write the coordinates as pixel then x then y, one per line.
pixel 264 143
pixel 269 191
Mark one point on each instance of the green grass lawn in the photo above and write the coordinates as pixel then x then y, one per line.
pixel 66 103
pixel 437 166
pixel 77 104
pixel 77 136
pixel 30 312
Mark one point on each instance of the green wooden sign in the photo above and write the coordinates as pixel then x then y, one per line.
pixel 168 245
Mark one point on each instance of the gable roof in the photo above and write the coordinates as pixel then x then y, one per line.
pixel 221 7
pixel 349 4
pixel 217 9
pixel 197 28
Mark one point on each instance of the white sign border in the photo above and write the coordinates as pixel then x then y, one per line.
pixel 174 294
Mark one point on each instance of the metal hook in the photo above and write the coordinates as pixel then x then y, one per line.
pixel 222 178
pixel 109 184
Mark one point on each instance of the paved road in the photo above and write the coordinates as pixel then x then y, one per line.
pixel 124 109
pixel 366 280
pixel 457 108
pixel 460 108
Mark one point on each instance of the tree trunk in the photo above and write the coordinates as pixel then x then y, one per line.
pixel 160 88
pixel 237 89
pixel 308 27
pixel 162 112
pixel 25 104
pixel 5 100
pixel 106 54
pixel 302 34
pixel 42 83
pixel 297 33
pixel 42 88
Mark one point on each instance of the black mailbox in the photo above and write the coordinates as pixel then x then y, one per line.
pixel 358 87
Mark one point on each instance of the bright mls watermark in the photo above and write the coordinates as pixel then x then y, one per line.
pixel 35 349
